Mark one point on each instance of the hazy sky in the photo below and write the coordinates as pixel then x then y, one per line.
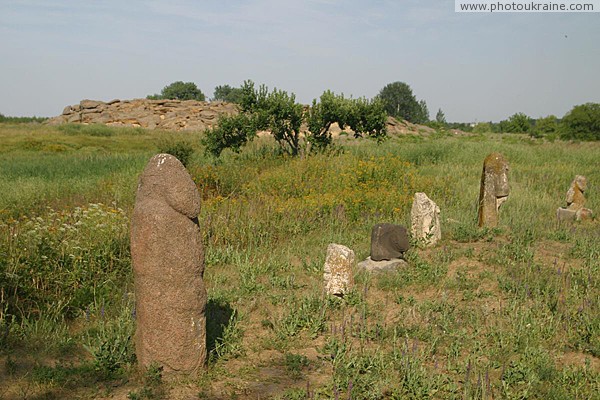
pixel 475 67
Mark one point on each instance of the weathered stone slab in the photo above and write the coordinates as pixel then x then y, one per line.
pixel 168 265
pixel 425 220
pixel 494 189
pixel 565 215
pixel 381 266
pixel 338 275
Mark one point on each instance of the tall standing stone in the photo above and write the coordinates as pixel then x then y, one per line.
pixel 425 220
pixel 337 274
pixel 168 266
pixel 494 189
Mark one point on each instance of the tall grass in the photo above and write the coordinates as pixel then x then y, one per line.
pixel 507 313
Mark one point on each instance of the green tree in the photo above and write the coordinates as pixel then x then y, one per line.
pixel 322 114
pixel 582 122
pixel 228 93
pixel 424 114
pixel 518 123
pixel 232 131
pixel 364 117
pixel 278 112
pixel 544 127
pixel 440 117
pixel 180 91
pixel 400 102
pixel 367 117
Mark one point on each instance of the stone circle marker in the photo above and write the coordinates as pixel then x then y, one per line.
pixel 494 189
pixel 338 276
pixel 168 266
pixel 425 220
pixel 575 210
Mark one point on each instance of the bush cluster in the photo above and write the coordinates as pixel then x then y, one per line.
pixel 278 112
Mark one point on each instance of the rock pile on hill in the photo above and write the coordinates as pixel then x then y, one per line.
pixel 181 115
pixel 152 114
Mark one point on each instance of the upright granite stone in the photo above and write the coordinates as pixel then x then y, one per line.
pixel 575 210
pixel 337 276
pixel 494 189
pixel 388 241
pixel 168 266
pixel 425 220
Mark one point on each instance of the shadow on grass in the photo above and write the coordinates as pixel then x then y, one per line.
pixel 218 318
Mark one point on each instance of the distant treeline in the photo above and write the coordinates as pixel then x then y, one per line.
pixel 21 120
pixel 582 122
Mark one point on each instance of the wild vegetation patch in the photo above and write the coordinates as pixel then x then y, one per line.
pixel 511 312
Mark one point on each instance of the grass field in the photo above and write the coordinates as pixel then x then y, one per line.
pixel 509 313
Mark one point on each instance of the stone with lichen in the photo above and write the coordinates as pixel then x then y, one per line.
pixel 338 275
pixel 494 189
pixel 168 265
pixel 425 220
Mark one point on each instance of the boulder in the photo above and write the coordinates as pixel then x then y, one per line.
pixel 90 103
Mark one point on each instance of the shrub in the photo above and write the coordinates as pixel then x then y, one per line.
pixel 180 91
pixel 181 150
pixel 228 93
pixel 543 127
pixel 517 123
pixel 482 127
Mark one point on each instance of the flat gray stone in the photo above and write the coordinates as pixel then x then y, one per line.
pixel 381 266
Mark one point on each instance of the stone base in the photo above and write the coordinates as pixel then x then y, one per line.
pixel 566 215
pixel 381 266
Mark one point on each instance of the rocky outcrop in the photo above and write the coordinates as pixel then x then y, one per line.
pixel 181 115
pixel 152 114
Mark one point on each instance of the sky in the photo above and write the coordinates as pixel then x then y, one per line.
pixel 473 66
